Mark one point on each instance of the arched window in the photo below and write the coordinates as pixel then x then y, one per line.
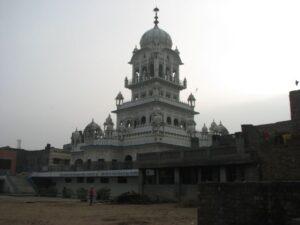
pixel 128 124
pixel 168 71
pixel 150 93
pixel 182 125
pixel 101 163
pixel 174 75
pixel 169 121
pixel 89 164
pixel 78 164
pixel 128 158
pixel 176 122
pixel 160 71
pixel 152 70
pixel 143 120
pixel 144 71
pixel 128 162
pixel 137 75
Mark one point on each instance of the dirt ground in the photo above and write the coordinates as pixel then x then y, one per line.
pixel 55 211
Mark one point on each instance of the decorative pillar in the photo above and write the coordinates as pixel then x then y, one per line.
pixel 133 72
pixel 140 72
pixel 171 69
pixel 164 68
pixel 177 74
pixel 156 65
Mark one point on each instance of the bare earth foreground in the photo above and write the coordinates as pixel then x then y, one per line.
pixel 55 211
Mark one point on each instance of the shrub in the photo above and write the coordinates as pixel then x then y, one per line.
pixel 82 194
pixel 47 192
pixel 67 193
pixel 103 194
pixel 132 198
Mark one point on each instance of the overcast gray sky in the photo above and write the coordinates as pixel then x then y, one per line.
pixel 62 62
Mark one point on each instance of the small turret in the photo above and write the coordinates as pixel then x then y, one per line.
pixel 222 130
pixel 119 99
pixel 108 127
pixel 191 100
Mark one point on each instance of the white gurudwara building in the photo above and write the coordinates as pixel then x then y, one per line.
pixel 155 119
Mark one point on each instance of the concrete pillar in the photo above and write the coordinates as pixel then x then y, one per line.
pixel 164 68
pixel 157 176
pixel 177 183
pixel 199 175
pixel 223 177
pixel 140 71
pixel 141 181
pixel 171 69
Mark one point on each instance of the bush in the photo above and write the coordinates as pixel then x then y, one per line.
pixel 82 194
pixel 103 194
pixel 47 192
pixel 67 193
pixel 132 198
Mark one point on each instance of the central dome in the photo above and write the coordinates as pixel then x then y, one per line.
pixel 156 37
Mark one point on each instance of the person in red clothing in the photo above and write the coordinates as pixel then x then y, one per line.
pixel 92 195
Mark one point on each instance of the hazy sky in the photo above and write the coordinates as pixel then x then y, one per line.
pixel 62 62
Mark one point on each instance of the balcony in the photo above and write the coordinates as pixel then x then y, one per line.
pixel 169 101
pixel 131 83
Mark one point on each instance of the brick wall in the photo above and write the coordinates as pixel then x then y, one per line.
pixel 295 104
pixel 248 203
pixel 280 162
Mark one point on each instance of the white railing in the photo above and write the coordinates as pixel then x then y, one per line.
pixel 155 98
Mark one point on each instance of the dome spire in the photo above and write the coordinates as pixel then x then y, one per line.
pixel 156 17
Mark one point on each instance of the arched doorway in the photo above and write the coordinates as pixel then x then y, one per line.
pixel 78 164
pixel 128 162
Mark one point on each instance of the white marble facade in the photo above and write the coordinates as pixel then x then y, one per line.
pixel 155 112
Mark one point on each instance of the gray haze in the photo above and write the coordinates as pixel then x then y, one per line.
pixel 62 62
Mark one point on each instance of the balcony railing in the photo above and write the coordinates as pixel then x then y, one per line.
pixel 191 155
pixel 182 84
pixel 93 166
pixel 155 98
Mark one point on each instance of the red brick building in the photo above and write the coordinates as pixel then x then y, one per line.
pixel 8 160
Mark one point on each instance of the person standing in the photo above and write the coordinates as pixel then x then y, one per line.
pixel 92 195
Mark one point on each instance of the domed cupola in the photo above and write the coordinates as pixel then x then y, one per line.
pixel 222 129
pixel 204 129
pixel 214 129
pixel 92 131
pixel 156 37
